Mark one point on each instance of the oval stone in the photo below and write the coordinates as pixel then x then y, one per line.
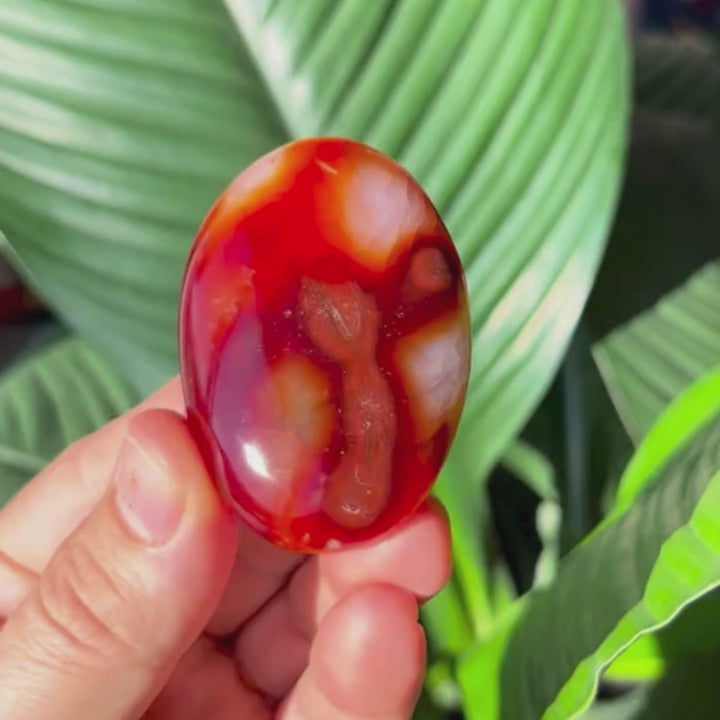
pixel 324 343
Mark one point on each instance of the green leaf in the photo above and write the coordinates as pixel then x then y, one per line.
pixel 480 670
pixel 628 578
pixel 686 638
pixel 649 361
pixel 700 406
pixel 47 401
pixel 689 691
pixel 120 121
pixel 119 124
pixel 643 661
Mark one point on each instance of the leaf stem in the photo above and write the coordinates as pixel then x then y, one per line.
pixel 575 431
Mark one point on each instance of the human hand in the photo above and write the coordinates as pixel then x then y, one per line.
pixel 127 591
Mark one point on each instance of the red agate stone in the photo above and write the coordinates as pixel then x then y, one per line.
pixel 325 343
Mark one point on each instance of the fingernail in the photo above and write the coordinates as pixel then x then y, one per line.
pixel 150 497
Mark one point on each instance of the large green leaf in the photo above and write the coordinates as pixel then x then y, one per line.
pixel 63 392
pixel 648 658
pixel 119 122
pixel 480 670
pixel 649 361
pixel 630 577
pixel 671 433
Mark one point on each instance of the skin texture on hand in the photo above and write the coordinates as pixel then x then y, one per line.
pixel 128 591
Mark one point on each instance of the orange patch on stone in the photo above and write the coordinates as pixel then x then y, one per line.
pixel 295 398
pixel 294 424
pixel 429 273
pixel 434 363
pixel 372 209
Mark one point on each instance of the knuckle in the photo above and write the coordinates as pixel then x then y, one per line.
pixel 81 603
pixel 16 581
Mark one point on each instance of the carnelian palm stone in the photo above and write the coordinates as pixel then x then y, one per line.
pixel 324 343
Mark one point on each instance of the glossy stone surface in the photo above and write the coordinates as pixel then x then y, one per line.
pixel 324 343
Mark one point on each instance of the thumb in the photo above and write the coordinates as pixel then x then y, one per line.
pixel 125 595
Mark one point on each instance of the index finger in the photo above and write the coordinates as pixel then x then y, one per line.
pixel 49 509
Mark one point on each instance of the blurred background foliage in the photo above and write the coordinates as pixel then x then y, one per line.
pixel 572 147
